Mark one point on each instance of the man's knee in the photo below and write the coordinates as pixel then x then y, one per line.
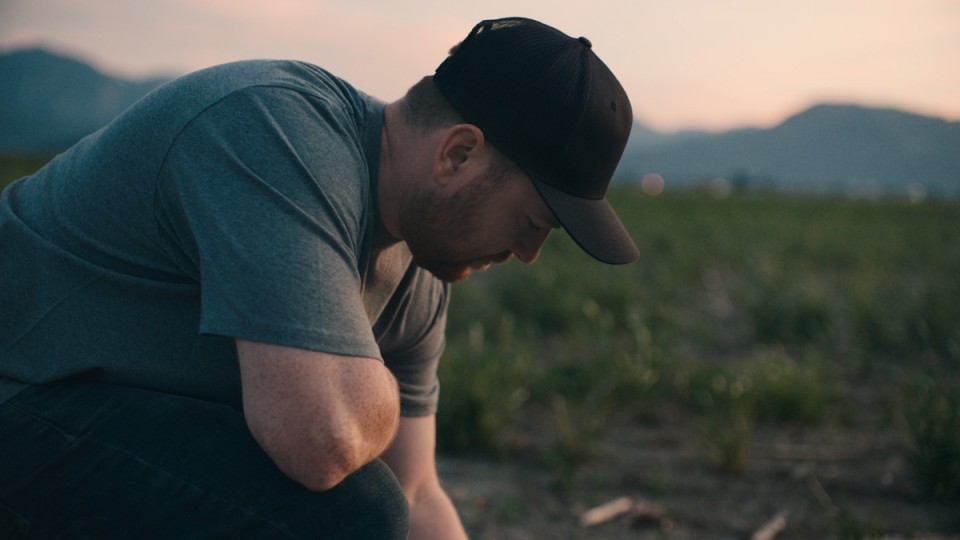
pixel 378 507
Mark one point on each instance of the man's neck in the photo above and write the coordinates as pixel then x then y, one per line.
pixel 390 177
pixel 406 158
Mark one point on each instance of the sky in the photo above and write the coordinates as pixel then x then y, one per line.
pixel 686 64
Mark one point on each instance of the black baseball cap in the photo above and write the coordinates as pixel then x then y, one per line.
pixel 547 102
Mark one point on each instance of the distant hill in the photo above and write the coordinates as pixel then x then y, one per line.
pixel 48 102
pixel 827 148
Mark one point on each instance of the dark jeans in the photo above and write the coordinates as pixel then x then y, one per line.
pixel 85 460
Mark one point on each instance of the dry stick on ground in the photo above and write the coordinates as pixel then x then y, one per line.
pixel 820 494
pixel 642 512
pixel 606 511
pixel 771 528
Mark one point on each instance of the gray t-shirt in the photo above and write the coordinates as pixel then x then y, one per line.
pixel 235 202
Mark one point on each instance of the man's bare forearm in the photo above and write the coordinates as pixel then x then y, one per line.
pixel 433 516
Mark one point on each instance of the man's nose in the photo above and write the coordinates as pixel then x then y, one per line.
pixel 528 247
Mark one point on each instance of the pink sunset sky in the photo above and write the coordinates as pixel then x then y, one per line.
pixel 685 63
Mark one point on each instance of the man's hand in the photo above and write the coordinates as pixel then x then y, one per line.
pixel 411 457
pixel 319 416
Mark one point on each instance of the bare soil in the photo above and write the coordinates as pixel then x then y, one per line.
pixel 805 483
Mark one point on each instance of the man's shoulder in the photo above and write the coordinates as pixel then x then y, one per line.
pixel 293 75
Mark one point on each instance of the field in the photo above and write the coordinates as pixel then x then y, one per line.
pixel 767 357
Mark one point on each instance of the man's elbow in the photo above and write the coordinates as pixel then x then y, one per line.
pixel 327 472
pixel 322 457
pixel 319 416
pixel 336 458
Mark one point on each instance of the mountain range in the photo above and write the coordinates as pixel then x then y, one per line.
pixel 49 101
pixel 827 148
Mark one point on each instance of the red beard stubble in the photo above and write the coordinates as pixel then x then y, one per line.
pixel 437 229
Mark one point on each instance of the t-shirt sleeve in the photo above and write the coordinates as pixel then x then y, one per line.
pixel 263 197
pixel 412 337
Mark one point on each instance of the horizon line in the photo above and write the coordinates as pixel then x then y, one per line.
pixel 104 69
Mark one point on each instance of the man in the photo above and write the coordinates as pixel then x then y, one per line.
pixel 221 315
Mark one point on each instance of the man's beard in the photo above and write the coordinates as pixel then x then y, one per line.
pixel 435 229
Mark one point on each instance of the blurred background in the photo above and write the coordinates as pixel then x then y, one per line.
pixel 689 64
pixel 787 349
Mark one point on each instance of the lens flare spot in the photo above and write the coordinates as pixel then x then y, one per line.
pixel 652 184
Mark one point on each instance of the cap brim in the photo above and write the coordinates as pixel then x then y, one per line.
pixel 592 224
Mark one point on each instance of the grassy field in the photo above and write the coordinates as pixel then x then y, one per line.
pixel 744 314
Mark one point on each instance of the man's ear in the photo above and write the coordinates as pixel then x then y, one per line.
pixel 458 152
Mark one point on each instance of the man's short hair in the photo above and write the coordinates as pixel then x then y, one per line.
pixel 425 108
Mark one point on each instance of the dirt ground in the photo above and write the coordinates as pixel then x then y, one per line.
pixel 810 483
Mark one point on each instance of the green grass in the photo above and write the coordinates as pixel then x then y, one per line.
pixel 741 311
pixel 932 409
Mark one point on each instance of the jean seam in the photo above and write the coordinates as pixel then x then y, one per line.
pixel 280 528
pixel 22 525
pixel 36 418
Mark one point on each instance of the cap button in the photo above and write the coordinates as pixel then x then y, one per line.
pixel 585 41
